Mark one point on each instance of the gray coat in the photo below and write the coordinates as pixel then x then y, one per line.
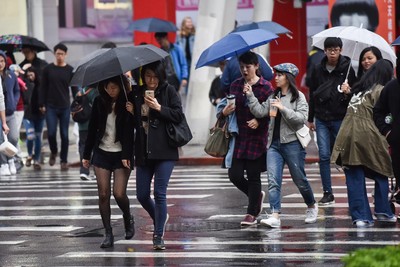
pixel 294 116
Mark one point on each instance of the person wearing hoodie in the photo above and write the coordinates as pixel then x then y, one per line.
pixel 329 96
pixel 11 93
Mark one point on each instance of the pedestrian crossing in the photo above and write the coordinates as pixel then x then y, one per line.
pixel 205 212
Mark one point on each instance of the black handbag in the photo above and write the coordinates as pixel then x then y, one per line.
pixel 217 144
pixel 81 108
pixel 179 133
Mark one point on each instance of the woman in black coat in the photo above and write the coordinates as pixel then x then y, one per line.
pixel 154 104
pixel 110 138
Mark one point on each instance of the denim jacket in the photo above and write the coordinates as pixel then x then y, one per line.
pixel 233 130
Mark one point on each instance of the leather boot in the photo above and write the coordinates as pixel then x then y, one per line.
pixel 109 240
pixel 129 224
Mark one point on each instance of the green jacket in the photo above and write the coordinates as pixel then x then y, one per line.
pixel 359 141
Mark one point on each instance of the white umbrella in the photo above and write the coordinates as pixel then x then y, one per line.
pixel 355 39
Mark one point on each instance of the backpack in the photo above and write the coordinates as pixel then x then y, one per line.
pixel 81 107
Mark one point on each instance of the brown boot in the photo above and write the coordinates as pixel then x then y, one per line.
pixel 64 166
pixel 52 159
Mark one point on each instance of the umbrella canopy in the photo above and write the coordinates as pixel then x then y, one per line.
pixel 15 43
pixel 90 56
pixel 396 41
pixel 152 25
pixel 234 44
pixel 271 26
pixel 354 40
pixel 115 61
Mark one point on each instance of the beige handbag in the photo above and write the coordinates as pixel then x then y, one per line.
pixel 7 148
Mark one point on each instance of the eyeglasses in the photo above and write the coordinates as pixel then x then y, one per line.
pixel 333 50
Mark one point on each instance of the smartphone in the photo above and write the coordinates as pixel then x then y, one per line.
pixel 149 93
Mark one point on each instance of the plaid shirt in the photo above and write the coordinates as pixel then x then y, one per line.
pixel 250 143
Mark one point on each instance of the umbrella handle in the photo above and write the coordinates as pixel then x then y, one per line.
pixel 123 85
pixel 338 87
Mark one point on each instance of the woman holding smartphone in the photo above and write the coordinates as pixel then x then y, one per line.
pixel 153 105
pixel 109 137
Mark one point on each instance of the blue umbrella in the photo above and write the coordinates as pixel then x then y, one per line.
pixel 271 26
pixel 234 44
pixel 397 41
pixel 152 25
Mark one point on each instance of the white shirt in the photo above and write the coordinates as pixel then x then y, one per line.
pixel 108 143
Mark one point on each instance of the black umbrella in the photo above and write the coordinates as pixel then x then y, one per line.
pixel 152 25
pixel 90 56
pixel 15 43
pixel 115 61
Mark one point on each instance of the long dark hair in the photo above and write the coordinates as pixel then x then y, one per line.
pixel 158 68
pixel 105 97
pixel 292 86
pixel 374 51
pixel 34 70
pixel 380 73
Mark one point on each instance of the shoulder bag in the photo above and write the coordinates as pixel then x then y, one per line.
pixel 81 108
pixel 218 141
pixel 179 133
pixel 303 134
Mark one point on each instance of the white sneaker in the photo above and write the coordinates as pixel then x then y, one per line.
pixel 11 165
pixel 385 218
pixel 5 170
pixel 364 224
pixel 84 177
pixel 271 222
pixel 311 214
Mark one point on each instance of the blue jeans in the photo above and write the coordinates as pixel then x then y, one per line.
pixel 157 208
pixel 293 154
pixel 37 125
pixel 357 194
pixel 53 115
pixel 326 136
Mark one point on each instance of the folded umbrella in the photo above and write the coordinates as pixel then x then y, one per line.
pixel 234 44
pixel 152 25
pixel 15 43
pixel 114 62
pixel 271 26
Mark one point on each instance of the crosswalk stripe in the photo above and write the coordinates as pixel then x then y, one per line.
pixel 255 242
pixel 207 254
pixel 39 228
pixel 90 197
pixel 12 242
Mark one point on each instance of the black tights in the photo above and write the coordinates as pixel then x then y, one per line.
pixel 120 184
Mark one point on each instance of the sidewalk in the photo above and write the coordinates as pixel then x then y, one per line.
pixel 195 155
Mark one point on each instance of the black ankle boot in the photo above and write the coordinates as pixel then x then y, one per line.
pixel 129 226
pixel 109 240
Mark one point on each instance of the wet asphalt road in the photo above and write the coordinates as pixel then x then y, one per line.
pixel 51 218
